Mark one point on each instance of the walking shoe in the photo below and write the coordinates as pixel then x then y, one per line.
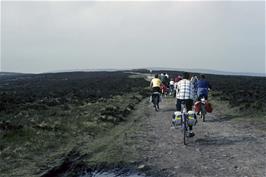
pixel 191 134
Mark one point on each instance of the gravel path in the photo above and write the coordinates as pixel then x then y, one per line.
pixel 221 147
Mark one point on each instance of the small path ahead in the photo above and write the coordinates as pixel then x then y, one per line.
pixel 221 147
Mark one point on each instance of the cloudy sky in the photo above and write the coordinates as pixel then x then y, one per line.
pixel 51 36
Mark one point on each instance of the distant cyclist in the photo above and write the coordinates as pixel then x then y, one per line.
pixel 155 84
pixel 165 79
pixel 194 80
pixel 172 86
pixel 156 91
pixel 178 78
pixel 184 92
pixel 203 87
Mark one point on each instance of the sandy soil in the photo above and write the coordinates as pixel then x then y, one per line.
pixel 221 148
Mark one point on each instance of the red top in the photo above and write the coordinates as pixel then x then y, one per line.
pixel 178 78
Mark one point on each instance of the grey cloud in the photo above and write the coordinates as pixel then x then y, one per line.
pixel 47 36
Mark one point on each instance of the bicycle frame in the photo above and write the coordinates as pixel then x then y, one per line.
pixel 202 108
pixel 184 123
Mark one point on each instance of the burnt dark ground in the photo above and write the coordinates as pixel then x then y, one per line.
pixel 70 108
pixel 43 90
pixel 46 117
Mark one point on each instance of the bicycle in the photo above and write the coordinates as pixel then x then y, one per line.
pixel 203 111
pixel 171 90
pixel 184 122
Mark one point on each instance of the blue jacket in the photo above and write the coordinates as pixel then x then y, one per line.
pixel 203 86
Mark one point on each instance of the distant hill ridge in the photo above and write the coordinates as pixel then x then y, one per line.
pixel 9 73
pixel 209 71
pixel 205 71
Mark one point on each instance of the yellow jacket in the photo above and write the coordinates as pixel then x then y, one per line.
pixel 155 82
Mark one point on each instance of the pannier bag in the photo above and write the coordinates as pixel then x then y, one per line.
pixel 177 118
pixel 197 106
pixel 208 107
pixel 191 118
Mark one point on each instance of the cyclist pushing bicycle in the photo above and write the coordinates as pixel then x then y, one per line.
pixel 185 94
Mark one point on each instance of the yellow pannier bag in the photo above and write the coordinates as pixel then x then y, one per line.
pixel 177 119
pixel 191 118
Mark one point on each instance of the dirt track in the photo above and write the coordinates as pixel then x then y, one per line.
pixel 221 147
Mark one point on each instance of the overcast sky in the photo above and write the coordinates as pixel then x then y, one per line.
pixel 51 36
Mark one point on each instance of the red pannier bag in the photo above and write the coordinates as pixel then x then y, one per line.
pixel 197 106
pixel 208 107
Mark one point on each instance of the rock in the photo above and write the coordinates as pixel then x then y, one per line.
pixel 141 166
pixel 110 118
pixel 132 162
pixel 176 167
pixel 103 117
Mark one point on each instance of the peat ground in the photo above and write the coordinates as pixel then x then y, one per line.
pixel 49 123
pixel 73 124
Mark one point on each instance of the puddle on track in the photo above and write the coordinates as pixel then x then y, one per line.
pixel 113 174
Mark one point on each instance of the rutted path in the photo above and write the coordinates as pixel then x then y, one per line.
pixel 220 148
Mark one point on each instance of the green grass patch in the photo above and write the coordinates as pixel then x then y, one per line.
pixel 255 118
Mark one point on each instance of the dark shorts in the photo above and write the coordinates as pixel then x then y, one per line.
pixel 189 104
pixel 156 89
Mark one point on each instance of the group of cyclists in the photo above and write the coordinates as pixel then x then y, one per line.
pixel 185 88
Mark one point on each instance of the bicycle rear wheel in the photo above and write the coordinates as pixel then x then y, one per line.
pixel 203 117
pixel 185 131
pixel 203 112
